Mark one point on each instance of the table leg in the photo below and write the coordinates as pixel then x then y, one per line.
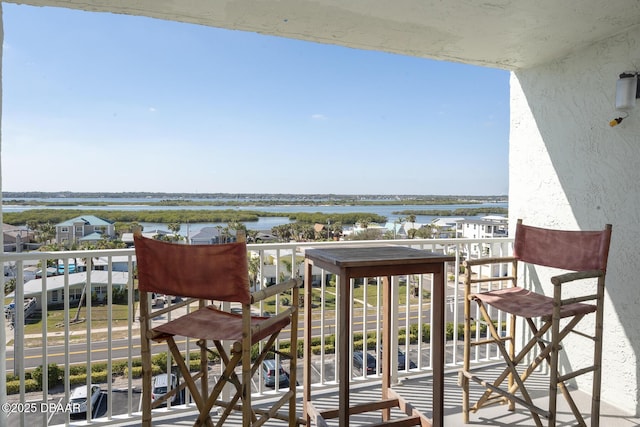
pixel 344 352
pixel 386 343
pixel 437 305
pixel 307 341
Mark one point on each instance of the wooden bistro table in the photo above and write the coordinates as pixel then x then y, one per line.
pixel 375 261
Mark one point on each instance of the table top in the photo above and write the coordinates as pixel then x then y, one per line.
pixel 354 256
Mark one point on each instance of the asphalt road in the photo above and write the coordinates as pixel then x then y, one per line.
pixel 120 349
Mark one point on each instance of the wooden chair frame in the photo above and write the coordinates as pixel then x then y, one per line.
pixel 253 329
pixel 548 248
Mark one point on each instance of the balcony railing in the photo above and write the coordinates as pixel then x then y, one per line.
pixel 104 333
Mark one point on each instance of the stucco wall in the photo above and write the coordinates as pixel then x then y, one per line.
pixel 569 169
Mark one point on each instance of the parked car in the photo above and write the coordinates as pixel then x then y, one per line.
pixel 402 361
pixel 358 359
pixel 78 399
pixel 161 384
pixel 158 300
pixel 269 374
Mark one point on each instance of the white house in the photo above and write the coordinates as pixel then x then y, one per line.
pixel 56 287
pixel 483 228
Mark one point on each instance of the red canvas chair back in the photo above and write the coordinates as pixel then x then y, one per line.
pixel 568 250
pixel 216 272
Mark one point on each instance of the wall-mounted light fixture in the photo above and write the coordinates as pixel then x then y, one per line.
pixel 627 91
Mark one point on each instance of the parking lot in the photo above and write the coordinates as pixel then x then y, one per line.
pixel 120 395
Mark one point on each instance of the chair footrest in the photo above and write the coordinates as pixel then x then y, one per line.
pixel 506 394
pixel 362 407
pixel 400 422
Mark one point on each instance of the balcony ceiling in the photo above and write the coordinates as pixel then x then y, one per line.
pixel 509 34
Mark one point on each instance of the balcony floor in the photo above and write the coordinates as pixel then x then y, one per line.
pixel 418 392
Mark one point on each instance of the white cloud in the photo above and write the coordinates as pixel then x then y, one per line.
pixel 319 117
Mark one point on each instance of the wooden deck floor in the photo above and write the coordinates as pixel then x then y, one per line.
pixel 418 392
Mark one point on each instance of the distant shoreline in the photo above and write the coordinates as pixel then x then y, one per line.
pixel 228 199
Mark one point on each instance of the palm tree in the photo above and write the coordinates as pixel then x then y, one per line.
pixel 336 229
pixel 43 233
pixel 254 269
pixel 282 232
pixel 252 236
pixel 412 219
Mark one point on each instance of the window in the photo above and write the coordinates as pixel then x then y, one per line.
pixel 79 229
pixel 54 295
pixel 64 229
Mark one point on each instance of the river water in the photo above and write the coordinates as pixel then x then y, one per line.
pixel 263 223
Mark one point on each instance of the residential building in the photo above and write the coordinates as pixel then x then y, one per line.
pixel 127 238
pixel 77 281
pixel 213 235
pixel 89 227
pixel 445 228
pixel 17 239
pixel 483 228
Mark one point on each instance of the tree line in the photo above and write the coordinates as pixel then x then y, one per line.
pixel 55 216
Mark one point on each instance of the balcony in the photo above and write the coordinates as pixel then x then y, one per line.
pixel 107 339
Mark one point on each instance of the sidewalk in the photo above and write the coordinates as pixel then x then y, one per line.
pixel 10 337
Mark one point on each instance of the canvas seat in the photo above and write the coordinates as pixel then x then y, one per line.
pixel 208 276
pixel 579 260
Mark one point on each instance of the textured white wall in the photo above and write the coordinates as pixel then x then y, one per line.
pixel 569 169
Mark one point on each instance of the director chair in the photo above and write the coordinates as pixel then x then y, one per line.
pixel 580 256
pixel 203 274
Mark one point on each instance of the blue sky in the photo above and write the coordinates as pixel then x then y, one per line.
pixel 104 102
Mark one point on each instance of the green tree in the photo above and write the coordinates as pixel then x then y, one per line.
pixel 412 231
pixel 282 232
pixel 252 236
pixel 424 232
pixel 368 234
pixel 174 227
pixel 336 230
pixel 254 269
pixel 10 286
pixel 45 233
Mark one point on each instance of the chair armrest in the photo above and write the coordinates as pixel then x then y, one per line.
pixel 577 275
pixel 267 323
pixel 275 289
pixel 488 260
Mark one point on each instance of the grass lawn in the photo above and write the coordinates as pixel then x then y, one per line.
pixel 373 290
pixel 55 319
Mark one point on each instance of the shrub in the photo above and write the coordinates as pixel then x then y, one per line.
pixel 119 295
pixel 99 377
pixel 136 371
pixel 13 387
pixel 77 379
pixel 371 343
pixel 160 360
pixel 118 367
pixel 54 375
pixel 99 367
pixel 77 369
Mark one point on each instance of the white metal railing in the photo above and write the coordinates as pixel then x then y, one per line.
pixel 114 341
